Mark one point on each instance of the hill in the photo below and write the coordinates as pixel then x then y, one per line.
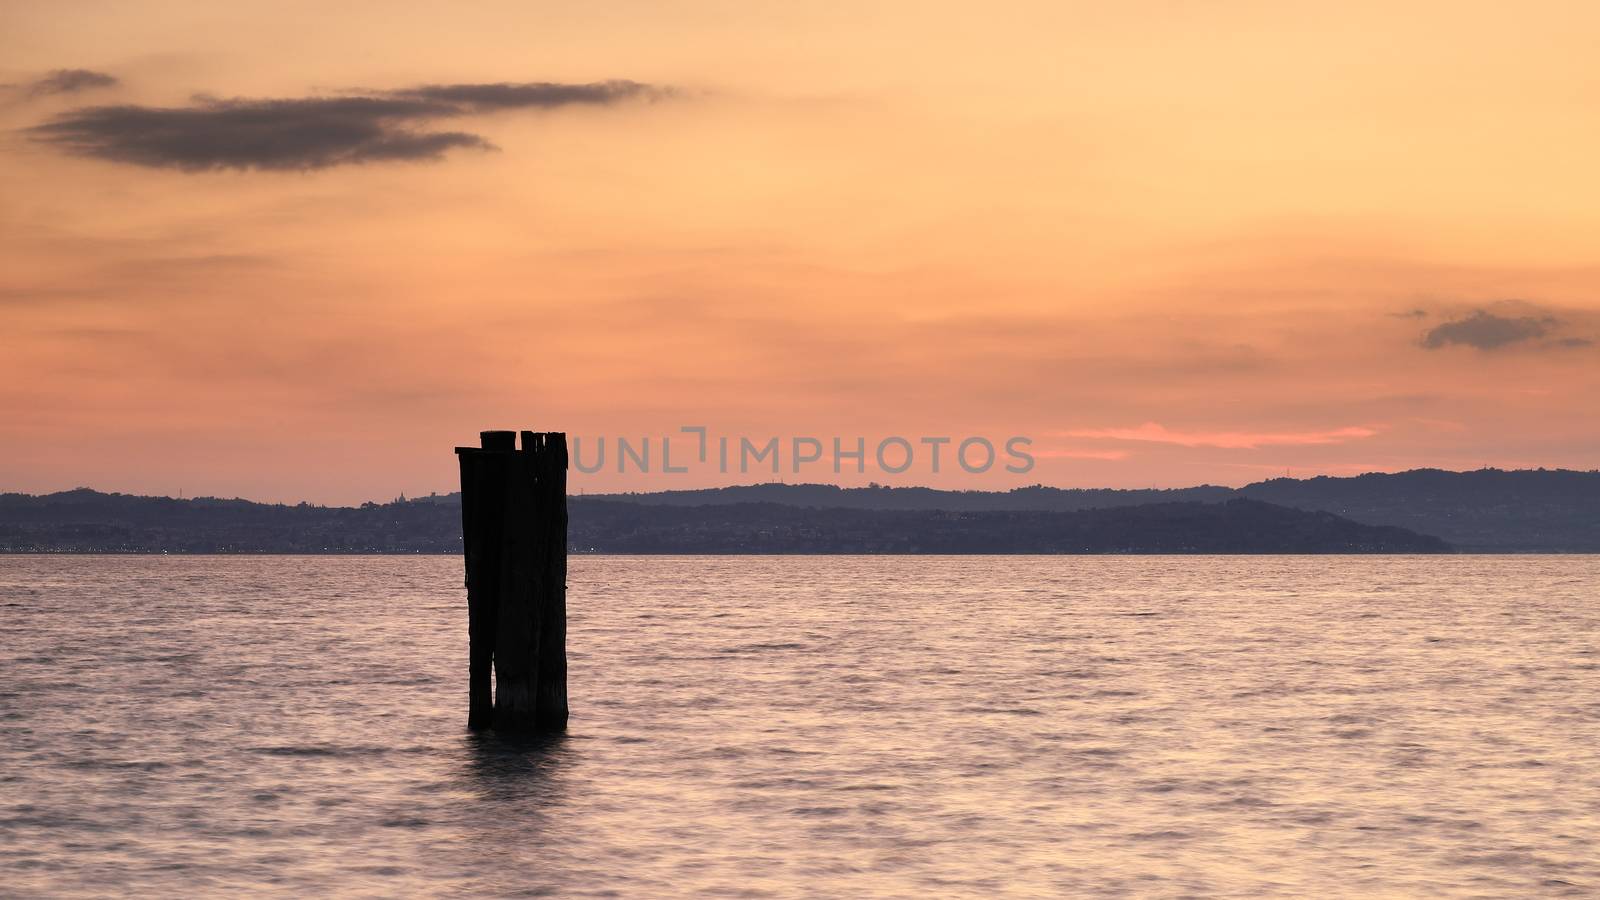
pixel 830 496
pixel 1236 526
pixel 1489 510
pixel 87 521
pixel 1484 511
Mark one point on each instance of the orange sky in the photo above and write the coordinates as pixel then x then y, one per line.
pixel 1171 242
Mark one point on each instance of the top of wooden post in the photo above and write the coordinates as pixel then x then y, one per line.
pixel 493 441
pixel 506 442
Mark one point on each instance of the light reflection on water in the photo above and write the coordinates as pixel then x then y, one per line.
pixel 810 726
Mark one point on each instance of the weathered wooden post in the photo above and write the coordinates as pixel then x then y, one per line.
pixel 550 542
pixel 514 537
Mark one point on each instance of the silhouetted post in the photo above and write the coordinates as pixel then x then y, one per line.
pixel 549 463
pixel 514 536
pixel 484 480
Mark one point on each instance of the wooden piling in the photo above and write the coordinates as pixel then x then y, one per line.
pixel 514 535
pixel 550 549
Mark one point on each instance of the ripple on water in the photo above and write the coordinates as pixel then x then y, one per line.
pixel 805 726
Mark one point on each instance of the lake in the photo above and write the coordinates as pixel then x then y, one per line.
pixel 810 726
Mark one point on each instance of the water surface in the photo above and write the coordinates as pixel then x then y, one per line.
pixel 810 726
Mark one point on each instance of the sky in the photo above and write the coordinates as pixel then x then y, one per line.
pixel 298 251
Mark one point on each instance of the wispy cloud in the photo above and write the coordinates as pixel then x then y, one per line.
pixel 1153 432
pixel 1485 330
pixel 1105 455
pixel 306 133
pixel 69 81
pixel 530 95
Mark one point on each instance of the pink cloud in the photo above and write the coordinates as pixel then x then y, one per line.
pixel 1081 454
pixel 1154 432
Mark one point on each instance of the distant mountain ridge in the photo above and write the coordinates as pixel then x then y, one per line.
pixel 1232 527
pixel 1488 510
pixel 1034 497
pixel 89 522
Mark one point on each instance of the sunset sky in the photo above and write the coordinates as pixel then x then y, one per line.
pixel 298 251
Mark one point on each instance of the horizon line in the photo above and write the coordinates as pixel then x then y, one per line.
pixel 818 484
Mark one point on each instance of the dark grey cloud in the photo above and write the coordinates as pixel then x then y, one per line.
pixel 1485 330
pixel 301 134
pixel 273 135
pixel 70 81
pixel 531 95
